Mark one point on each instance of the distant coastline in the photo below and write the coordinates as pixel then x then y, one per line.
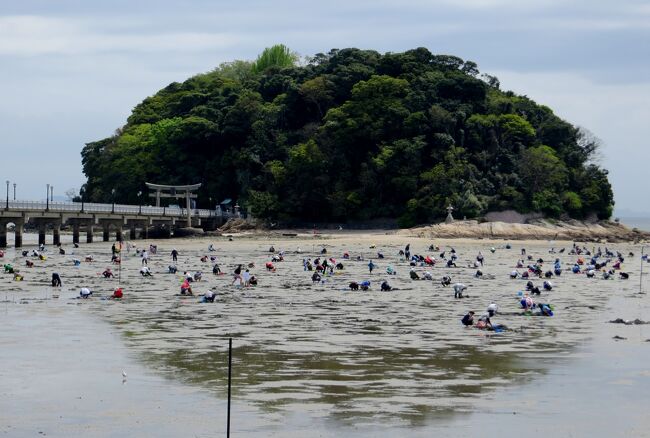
pixel 642 223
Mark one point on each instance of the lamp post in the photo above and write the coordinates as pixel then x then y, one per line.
pixel 140 201
pixel 82 192
pixel 47 198
pixel 14 191
pixel 51 193
pixel 113 196
pixel 210 206
pixel 7 205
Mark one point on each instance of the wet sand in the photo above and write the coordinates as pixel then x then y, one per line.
pixel 600 389
pixel 322 359
pixel 62 376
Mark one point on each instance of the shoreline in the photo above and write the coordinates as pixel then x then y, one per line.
pixel 601 232
pixel 538 229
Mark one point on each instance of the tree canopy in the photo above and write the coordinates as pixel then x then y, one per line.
pixel 353 135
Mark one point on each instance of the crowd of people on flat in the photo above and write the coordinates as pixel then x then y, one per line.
pixel 533 299
pixel 605 262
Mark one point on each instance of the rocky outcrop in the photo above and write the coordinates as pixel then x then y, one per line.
pixel 236 225
pixel 602 231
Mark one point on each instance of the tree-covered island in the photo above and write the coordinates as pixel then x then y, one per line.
pixel 353 135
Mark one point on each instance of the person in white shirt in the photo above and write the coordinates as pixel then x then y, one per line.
pixel 208 297
pixel 85 292
pixel 458 290
pixel 246 277
pixel 484 321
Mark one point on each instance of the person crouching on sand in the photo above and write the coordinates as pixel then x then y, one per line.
pixel 145 271
pixel 108 273
pixel 56 280
pixel 468 319
pixel 208 297
pixel 186 288
pixel 484 322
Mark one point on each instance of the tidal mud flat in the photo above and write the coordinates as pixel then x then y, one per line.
pixel 319 357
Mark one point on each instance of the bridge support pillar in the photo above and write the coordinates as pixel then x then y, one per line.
pixel 145 230
pixel 132 233
pixel 118 234
pixel 41 234
pixel 56 235
pixel 75 233
pixel 18 233
pixel 106 233
pixel 3 235
pixel 89 233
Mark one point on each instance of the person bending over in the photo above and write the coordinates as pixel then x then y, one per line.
pixel 458 290
pixel 56 280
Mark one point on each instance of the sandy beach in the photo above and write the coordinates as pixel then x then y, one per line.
pixel 316 357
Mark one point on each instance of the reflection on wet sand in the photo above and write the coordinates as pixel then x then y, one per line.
pixel 407 383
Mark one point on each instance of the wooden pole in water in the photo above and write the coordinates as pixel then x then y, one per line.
pixel 641 274
pixel 119 268
pixel 229 385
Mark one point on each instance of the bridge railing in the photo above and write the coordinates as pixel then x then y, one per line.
pixel 91 207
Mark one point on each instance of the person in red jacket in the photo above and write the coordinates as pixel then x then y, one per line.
pixel 186 289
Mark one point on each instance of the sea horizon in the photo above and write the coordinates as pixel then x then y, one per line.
pixel 642 223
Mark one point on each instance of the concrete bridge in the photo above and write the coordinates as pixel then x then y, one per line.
pixel 117 217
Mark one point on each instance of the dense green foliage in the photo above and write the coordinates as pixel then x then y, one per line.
pixel 353 134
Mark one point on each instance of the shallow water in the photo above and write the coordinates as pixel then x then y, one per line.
pixel 642 223
pixel 349 359
pixel 599 390
pixel 61 376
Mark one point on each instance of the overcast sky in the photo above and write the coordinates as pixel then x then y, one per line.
pixel 72 70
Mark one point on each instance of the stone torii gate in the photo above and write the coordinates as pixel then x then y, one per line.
pixel 176 192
